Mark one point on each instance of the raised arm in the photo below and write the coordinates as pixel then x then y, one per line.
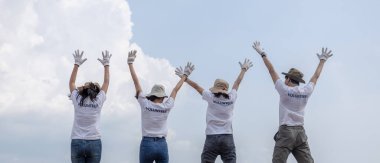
pixel 268 64
pixel 106 63
pixel 322 59
pixel 131 59
pixel 183 74
pixel 244 68
pixel 198 88
pixel 78 61
pixel 178 86
pixel 188 69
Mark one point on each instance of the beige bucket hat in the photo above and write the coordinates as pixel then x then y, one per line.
pixel 158 90
pixel 220 86
pixel 295 75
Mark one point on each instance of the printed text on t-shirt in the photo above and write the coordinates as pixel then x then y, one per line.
pixel 156 110
pixel 297 96
pixel 227 103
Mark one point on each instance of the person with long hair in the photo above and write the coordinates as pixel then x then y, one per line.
pixel 291 136
pixel 86 146
pixel 154 113
pixel 219 132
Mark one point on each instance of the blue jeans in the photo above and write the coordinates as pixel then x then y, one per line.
pixel 86 151
pixel 154 149
pixel 220 144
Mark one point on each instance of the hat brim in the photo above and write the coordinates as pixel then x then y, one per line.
pixel 216 90
pixel 294 77
pixel 157 95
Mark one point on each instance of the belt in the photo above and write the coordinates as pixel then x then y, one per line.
pixel 154 138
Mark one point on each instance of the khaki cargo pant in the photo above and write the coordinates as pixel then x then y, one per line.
pixel 291 139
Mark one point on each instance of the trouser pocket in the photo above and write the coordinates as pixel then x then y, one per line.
pixel 275 137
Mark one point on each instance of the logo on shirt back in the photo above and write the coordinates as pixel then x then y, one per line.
pixel 297 96
pixel 156 110
pixel 227 103
pixel 90 105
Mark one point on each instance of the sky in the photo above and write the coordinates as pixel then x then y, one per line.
pixel 37 39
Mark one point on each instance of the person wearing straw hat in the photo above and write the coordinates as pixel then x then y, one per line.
pixel 219 134
pixel 291 136
pixel 154 114
pixel 86 146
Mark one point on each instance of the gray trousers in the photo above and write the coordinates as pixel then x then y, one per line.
pixel 221 144
pixel 291 139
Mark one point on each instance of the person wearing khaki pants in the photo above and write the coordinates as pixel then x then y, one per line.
pixel 291 136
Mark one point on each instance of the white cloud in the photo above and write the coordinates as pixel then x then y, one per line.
pixel 36 43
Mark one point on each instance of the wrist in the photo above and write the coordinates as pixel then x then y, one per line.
pixel 263 54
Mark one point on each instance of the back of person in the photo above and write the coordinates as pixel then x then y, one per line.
pixel 154 116
pixel 293 101
pixel 87 116
pixel 219 112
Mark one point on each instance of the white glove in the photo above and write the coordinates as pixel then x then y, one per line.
pixel 256 45
pixel 246 65
pixel 179 71
pixel 78 58
pixel 106 58
pixel 189 68
pixel 325 55
pixel 131 56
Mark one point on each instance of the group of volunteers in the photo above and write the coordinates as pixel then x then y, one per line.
pixel 88 100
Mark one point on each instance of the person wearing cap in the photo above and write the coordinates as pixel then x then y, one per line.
pixel 291 136
pixel 86 146
pixel 154 114
pixel 219 134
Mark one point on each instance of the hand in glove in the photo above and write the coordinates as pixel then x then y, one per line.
pixel 325 55
pixel 106 58
pixel 189 68
pixel 179 71
pixel 131 56
pixel 78 57
pixel 246 65
pixel 256 45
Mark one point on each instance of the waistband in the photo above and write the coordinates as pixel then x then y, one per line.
pixel 153 138
pixel 286 126
pixel 218 135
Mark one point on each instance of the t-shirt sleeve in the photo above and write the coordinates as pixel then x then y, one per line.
pixel 233 94
pixel 73 96
pixel 141 98
pixel 169 103
pixel 309 87
pixel 280 86
pixel 101 96
pixel 207 95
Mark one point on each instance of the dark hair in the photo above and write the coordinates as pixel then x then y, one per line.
pixel 90 90
pixel 152 98
pixel 293 81
pixel 221 94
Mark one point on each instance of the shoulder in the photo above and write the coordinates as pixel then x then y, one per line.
pixel 206 94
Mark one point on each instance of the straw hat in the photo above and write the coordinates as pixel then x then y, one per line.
pixel 220 86
pixel 158 90
pixel 295 75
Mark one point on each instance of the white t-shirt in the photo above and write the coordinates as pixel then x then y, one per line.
pixel 292 102
pixel 219 112
pixel 154 116
pixel 87 117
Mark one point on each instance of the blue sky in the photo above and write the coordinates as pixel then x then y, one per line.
pixel 38 37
